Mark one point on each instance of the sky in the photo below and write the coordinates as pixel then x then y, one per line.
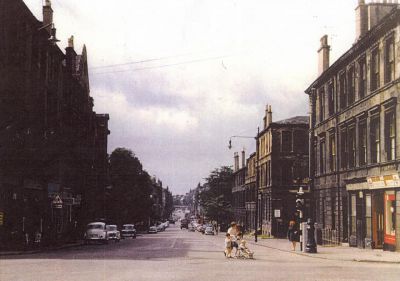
pixel 180 77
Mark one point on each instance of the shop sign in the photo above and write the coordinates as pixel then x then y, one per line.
pixel 388 181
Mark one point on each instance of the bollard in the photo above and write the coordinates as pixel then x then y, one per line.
pixel 311 246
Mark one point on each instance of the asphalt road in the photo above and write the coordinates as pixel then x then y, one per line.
pixel 181 255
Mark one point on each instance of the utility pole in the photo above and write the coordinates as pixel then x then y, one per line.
pixel 257 184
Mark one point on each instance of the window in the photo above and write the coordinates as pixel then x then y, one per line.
pixel 332 152
pixel 362 143
pixel 286 141
pixel 362 81
pixel 343 149
pixel 389 60
pixel 322 156
pixel 351 147
pixel 331 99
pixel 390 213
pixel 342 91
pixel 351 86
pixel 300 141
pixel 375 69
pixel 375 146
pixel 390 135
pixel 321 99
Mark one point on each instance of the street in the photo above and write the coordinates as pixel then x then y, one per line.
pixel 181 255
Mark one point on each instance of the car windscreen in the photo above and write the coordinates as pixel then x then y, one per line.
pixel 127 227
pixel 111 227
pixel 95 226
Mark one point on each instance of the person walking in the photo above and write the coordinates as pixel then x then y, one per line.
pixel 293 234
pixel 233 232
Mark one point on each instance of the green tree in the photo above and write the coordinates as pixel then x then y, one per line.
pixel 216 194
pixel 131 188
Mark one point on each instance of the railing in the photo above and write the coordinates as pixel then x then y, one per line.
pixel 330 237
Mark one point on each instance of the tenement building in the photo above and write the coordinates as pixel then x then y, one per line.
pixel 282 163
pixel 53 146
pixel 354 123
pixel 250 192
pixel 239 190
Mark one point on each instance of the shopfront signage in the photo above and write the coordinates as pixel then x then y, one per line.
pixel 388 181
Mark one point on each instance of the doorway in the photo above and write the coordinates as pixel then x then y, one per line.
pixel 377 219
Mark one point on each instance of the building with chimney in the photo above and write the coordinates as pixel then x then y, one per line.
pixel 282 163
pixel 53 146
pixel 239 190
pixel 354 155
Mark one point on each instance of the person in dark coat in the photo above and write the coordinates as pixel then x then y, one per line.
pixel 293 234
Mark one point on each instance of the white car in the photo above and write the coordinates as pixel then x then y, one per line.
pixel 95 232
pixel 113 233
pixel 152 229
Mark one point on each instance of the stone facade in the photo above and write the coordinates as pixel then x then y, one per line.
pixel 355 147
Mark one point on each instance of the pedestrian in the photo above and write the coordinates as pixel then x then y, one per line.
pixel 293 234
pixel 228 246
pixel 233 232
pixel 243 246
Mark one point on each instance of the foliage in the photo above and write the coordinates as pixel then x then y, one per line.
pixel 216 194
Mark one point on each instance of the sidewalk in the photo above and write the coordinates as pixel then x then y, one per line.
pixel 342 253
pixel 39 250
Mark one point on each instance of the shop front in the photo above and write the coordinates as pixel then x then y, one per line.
pixel 373 211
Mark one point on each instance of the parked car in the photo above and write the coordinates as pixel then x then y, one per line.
pixel 113 232
pixel 191 227
pixel 160 227
pixel 128 231
pixel 209 230
pixel 184 223
pixel 95 232
pixel 152 229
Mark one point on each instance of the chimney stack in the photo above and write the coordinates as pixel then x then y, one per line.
pixel 47 16
pixel 243 158
pixel 361 19
pixel 236 161
pixel 323 55
pixel 269 115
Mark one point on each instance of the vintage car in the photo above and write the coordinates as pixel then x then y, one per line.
pixel 95 232
pixel 113 232
pixel 128 231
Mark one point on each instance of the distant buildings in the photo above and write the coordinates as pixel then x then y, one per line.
pixel 53 146
pixel 354 106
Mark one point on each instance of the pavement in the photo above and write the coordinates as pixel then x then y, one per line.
pixel 36 250
pixel 339 253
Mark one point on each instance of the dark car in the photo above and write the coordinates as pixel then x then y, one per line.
pixel 184 223
pixel 128 231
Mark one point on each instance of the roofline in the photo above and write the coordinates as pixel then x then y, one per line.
pixel 361 43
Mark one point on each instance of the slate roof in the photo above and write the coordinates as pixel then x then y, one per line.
pixel 294 120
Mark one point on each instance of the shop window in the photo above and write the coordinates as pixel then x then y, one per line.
pixel 390 135
pixel 332 152
pixel 390 214
pixel 375 144
pixel 362 81
pixel 362 143
pixel 331 99
pixel 368 216
pixel 389 60
pixel 353 226
pixel 351 86
pixel 375 69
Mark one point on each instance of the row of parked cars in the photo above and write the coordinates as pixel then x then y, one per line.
pixel 206 228
pixel 102 232
pixel 158 227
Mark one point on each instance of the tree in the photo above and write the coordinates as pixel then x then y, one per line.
pixel 131 188
pixel 216 194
